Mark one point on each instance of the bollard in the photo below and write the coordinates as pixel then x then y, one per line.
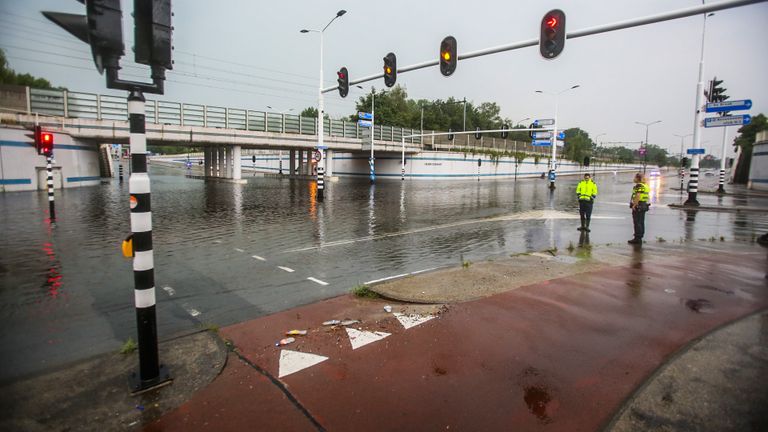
pixel 51 203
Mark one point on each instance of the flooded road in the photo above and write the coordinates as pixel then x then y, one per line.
pixel 226 253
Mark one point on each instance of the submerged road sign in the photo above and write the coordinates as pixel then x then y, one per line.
pixel 693 151
pixel 734 105
pixel 736 120
pixel 364 115
pixel 544 122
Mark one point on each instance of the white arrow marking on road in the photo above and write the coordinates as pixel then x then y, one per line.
pixel 258 257
pixel 359 338
pixel 412 320
pixel 317 281
pixel 294 361
pixel 288 269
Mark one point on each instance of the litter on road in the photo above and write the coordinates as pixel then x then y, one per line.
pixel 285 341
pixel 296 333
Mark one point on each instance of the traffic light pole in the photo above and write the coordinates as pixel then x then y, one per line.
pixel 51 203
pixel 373 134
pixel 151 373
pixel 320 132
pixel 693 183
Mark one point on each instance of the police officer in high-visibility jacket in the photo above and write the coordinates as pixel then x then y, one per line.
pixel 639 203
pixel 586 192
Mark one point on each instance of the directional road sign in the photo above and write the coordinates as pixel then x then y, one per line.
pixel 693 151
pixel 544 122
pixel 542 135
pixel 541 143
pixel 734 105
pixel 736 120
pixel 364 123
pixel 561 135
pixel 364 116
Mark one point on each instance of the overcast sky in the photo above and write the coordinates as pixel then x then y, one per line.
pixel 250 54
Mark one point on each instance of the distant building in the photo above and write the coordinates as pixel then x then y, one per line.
pixel 758 170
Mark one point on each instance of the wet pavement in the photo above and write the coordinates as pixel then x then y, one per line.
pixel 559 355
pixel 227 253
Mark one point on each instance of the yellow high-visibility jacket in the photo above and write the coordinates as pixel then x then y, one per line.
pixel 586 190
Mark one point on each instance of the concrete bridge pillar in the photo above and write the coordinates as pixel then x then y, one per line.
pixel 206 162
pixel 301 162
pixel 292 162
pixel 220 164
pixel 329 163
pixel 237 170
pixel 229 172
pixel 309 162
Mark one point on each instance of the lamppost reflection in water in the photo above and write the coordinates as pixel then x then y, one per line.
pixel 371 209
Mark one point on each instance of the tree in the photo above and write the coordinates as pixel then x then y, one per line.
pixel 9 76
pixel 743 144
pixel 309 112
pixel 577 144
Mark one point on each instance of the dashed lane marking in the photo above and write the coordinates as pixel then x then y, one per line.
pixel 169 290
pixel 399 276
pixel 288 269
pixel 192 311
pixel 239 250
pixel 317 281
pixel 258 258
pixel 294 361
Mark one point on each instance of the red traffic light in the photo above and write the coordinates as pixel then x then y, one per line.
pixel 552 22
pixel 46 138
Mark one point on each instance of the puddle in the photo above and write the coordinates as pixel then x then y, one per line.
pixel 538 395
pixel 537 399
pixel 699 305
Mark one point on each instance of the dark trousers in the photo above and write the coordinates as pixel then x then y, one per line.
pixel 585 212
pixel 638 219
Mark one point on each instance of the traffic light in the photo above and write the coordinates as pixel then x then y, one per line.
pixel 450 134
pixel 153 32
pixel 684 162
pixel 43 141
pixel 101 28
pixel 390 69
pixel 504 132
pixel 343 80
pixel 448 58
pixel 531 126
pixel 478 135
pixel 552 37
pixel 586 161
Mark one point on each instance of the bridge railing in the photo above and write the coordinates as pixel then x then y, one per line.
pixel 104 107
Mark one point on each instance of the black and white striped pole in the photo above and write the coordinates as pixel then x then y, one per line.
pixel 120 169
pixel 721 184
pixel 151 373
pixel 51 203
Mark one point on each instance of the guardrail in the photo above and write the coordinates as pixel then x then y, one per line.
pixel 104 107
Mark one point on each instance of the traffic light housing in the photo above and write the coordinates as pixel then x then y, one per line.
pixel 390 69
pixel 531 126
pixel 43 141
pixel 101 28
pixel 505 131
pixel 343 80
pixel 552 37
pixel 478 135
pixel 586 161
pixel 153 32
pixel 448 56
pixel 684 162
pixel 450 134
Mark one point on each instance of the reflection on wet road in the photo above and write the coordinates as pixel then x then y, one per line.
pixel 225 253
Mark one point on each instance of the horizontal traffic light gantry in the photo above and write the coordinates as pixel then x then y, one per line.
pixel 552 37
pixel 390 69
pixel 448 57
pixel 343 80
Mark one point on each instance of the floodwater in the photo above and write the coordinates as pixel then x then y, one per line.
pixel 225 253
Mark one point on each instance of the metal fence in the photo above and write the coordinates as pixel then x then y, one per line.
pixel 103 107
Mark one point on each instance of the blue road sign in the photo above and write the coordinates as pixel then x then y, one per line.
pixel 541 143
pixel 364 115
pixel 561 136
pixel 737 120
pixel 544 122
pixel 734 105
pixel 694 151
pixel 542 135
pixel 364 123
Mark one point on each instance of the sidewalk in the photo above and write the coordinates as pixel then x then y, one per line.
pixel 556 354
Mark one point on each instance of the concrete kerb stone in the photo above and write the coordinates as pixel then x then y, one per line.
pixel 94 394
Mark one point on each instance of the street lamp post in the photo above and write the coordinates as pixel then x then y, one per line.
pixel 320 111
pixel 693 183
pixel 553 161
pixel 279 151
pixel 645 146
pixel 682 167
pixel 373 132
pixel 597 145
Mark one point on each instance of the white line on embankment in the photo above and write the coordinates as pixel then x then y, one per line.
pixel 288 269
pixel 317 281
pixel 399 276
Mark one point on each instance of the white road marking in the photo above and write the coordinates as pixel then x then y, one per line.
pixel 398 276
pixel 360 338
pixel 258 257
pixel 170 291
pixel 288 269
pixel 412 320
pixel 192 311
pixel 528 215
pixel 317 281
pixel 294 361
pixel 239 250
